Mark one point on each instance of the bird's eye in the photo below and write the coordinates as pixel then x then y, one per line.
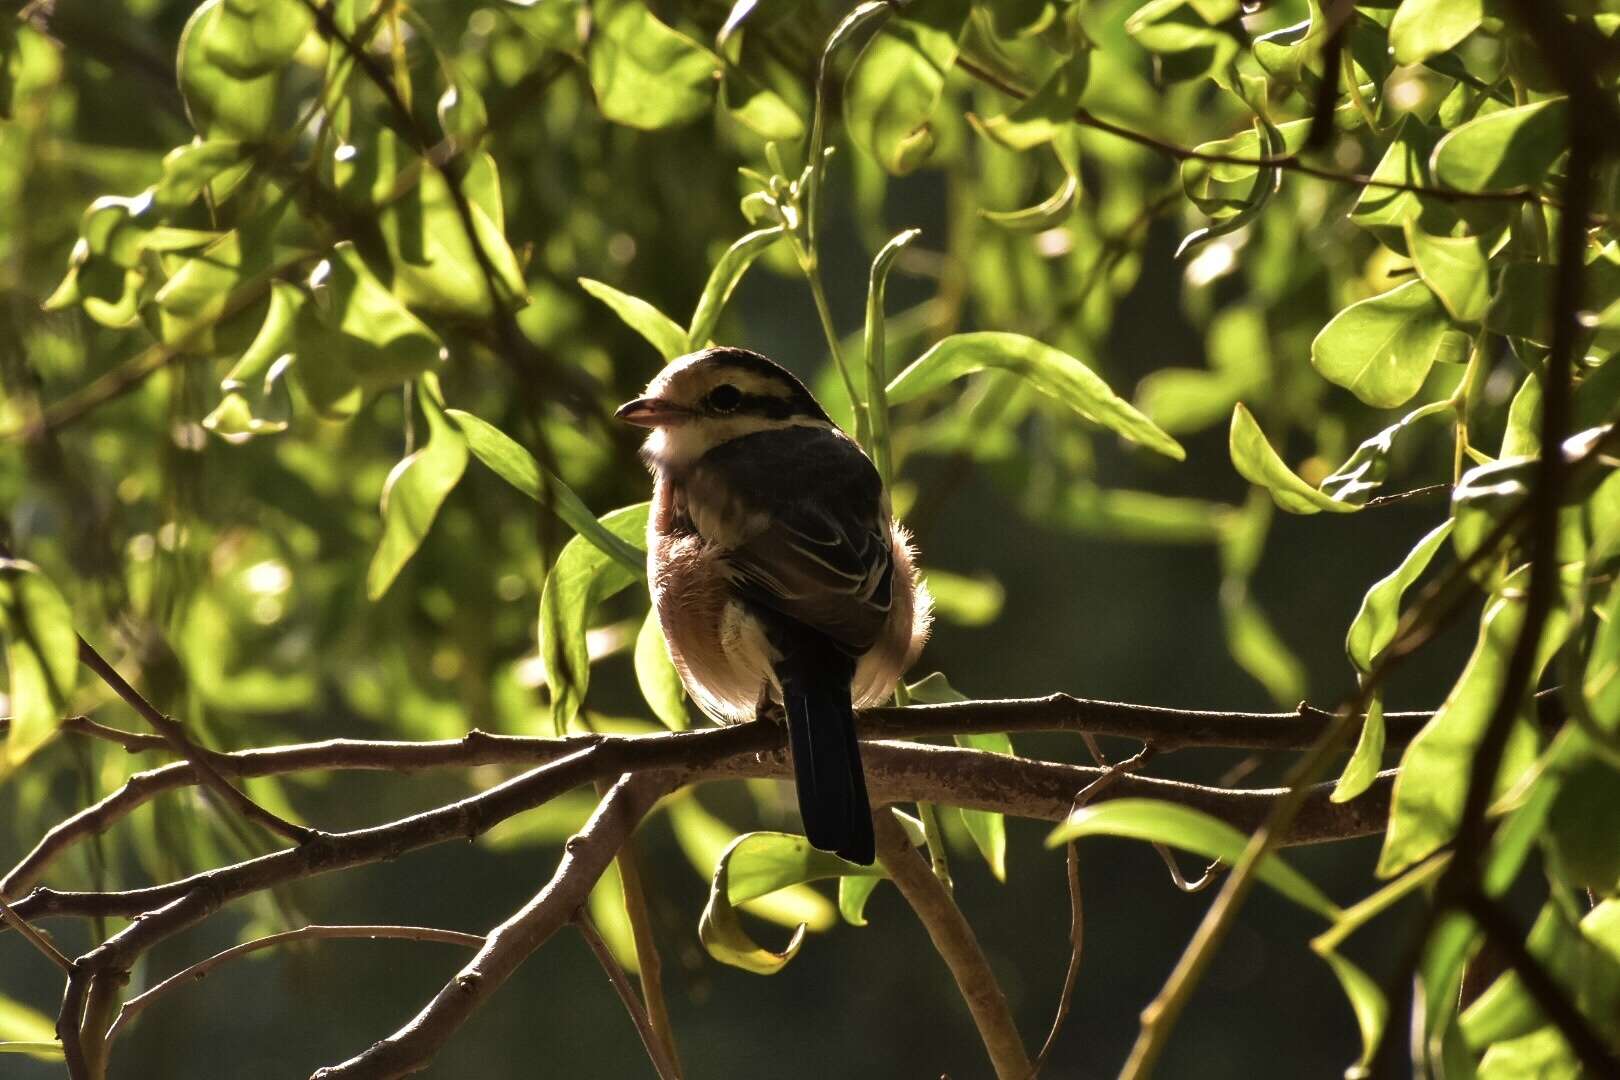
pixel 725 398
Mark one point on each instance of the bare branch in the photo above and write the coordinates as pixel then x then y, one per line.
pixel 896 772
pixel 203 968
pixel 956 944
pixel 33 936
pixel 650 1039
pixel 585 857
pixel 136 742
pixel 176 737
pixel 1077 924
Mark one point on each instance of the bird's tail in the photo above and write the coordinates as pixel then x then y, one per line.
pixel 826 758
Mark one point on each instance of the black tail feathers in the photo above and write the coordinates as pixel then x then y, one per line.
pixel 826 758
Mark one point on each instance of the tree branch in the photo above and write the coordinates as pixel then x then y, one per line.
pixel 1166 729
pixel 896 772
pixel 203 968
pixel 585 857
pixel 173 734
pixel 956 944
pixel 650 1039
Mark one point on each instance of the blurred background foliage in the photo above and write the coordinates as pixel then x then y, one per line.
pixel 242 303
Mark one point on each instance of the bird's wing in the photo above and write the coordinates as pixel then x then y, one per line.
pixel 808 536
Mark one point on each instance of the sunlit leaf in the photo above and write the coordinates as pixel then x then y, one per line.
pixel 1373 628
pixel 660 682
pixel 415 490
pixel 517 467
pixel 1190 830
pixel 1367 1001
pixel 368 332
pixel 1256 461
pixel 1433 781
pixel 898 79
pixel 582 578
pixel 25 1030
pixel 723 279
pixel 1425 28
pixel 1049 370
pixel 647 75
pixel 704 840
pixel 1381 349
pixel 755 865
pixel 1049 111
pixel 1507 149
pixel 1455 268
pixel 42 657
pixel 659 329
pixel 965 600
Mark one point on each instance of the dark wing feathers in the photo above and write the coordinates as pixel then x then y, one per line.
pixel 815 546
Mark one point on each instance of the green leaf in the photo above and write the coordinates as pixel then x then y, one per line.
pixel 988 829
pixel 1456 268
pixel 378 342
pixel 256 400
pixel 1193 38
pixel 1511 148
pixel 758 107
pixel 1433 781
pixel 1049 370
pixel 659 681
pixel 583 577
pixel 1046 113
pixel 1382 348
pixel 187 170
pixel 1368 757
pixel 1506 1010
pixel 1050 211
pixel 1385 210
pixel 1190 830
pixel 42 657
pixel 898 79
pixel 611 916
pixel 224 99
pixel 755 865
pixel 724 277
pixel 1373 628
pixel 704 838
pixel 965 600
pixel 1542 1054
pixel 853 893
pixel 24 1030
pixel 415 490
pixel 1522 304
pixel 659 329
pixel 1368 1003
pixel 1425 28
pixel 645 74
pixel 1260 650
pixel 517 467
pixel 1256 461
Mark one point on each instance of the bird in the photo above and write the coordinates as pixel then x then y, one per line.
pixel 782 583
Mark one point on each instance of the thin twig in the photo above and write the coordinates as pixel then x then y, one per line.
pixel 1076 936
pixel 956 944
pixel 585 856
pixel 650 1039
pixel 33 936
pixel 203 968
pixel 648 959
pixel 176 737
pixel 1288 162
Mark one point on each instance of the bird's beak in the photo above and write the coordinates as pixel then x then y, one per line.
pixel 653 412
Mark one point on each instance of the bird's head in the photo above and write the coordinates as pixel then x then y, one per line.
pixel 710 397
